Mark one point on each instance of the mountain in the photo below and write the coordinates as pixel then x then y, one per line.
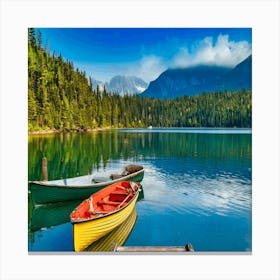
pixel 240 76
pixel 190 81
pixel 122 85
pixel 196 80
pixel 96 83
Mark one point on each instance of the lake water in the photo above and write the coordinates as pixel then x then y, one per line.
pixel 197 186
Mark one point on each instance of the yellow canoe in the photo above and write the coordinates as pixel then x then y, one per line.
pixel 102 212
pixel 117 236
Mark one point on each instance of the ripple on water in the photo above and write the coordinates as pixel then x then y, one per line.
pixel 221 194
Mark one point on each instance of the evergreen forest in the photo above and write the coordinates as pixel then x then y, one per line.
pixel 61 97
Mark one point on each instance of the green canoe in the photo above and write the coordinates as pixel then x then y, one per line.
pixel 81 187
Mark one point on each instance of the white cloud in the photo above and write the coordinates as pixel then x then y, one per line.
pixel 150 67
pixel 221 53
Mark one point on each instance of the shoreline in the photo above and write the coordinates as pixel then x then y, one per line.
pixel 55 131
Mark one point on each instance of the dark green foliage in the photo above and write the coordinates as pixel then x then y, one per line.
pixel 60 97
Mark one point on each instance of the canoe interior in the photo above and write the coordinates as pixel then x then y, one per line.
pixel 106 201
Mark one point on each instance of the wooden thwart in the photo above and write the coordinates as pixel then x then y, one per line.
pixel 187 248
pixel 122 203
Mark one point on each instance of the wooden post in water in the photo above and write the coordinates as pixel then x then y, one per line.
pixel 189 247
pixel 44 169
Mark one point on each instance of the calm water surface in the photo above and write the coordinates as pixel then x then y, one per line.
pixel 197 186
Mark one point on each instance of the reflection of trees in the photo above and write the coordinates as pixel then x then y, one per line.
pixel 49 215
pixel 71 155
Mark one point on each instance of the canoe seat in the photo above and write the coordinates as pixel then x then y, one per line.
pixel 118 196
pixel 116 176
pixel 99 179
pixel 106 201
pixel 119 193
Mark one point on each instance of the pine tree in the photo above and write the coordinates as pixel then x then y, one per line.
pixel 32 37
pixel 63 98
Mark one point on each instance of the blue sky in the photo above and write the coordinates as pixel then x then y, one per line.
pixel 146 52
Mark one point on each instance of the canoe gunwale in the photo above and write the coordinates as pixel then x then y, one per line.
pixel 95 185
pixel 110 213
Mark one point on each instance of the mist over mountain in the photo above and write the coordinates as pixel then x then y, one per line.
pixel 199 79
pixel 122 85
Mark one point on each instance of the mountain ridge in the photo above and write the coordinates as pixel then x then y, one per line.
pixel 122 84
pixel 199 79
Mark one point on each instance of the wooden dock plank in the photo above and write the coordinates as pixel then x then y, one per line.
pixel 187 248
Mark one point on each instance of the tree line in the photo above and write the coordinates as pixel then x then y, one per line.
pixel 63 98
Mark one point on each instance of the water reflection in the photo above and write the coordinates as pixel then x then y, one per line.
pixel 194 183
pixel 48 226
pixel 48 222
pixel 221 194
pixel 49 215
pixel 70 155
